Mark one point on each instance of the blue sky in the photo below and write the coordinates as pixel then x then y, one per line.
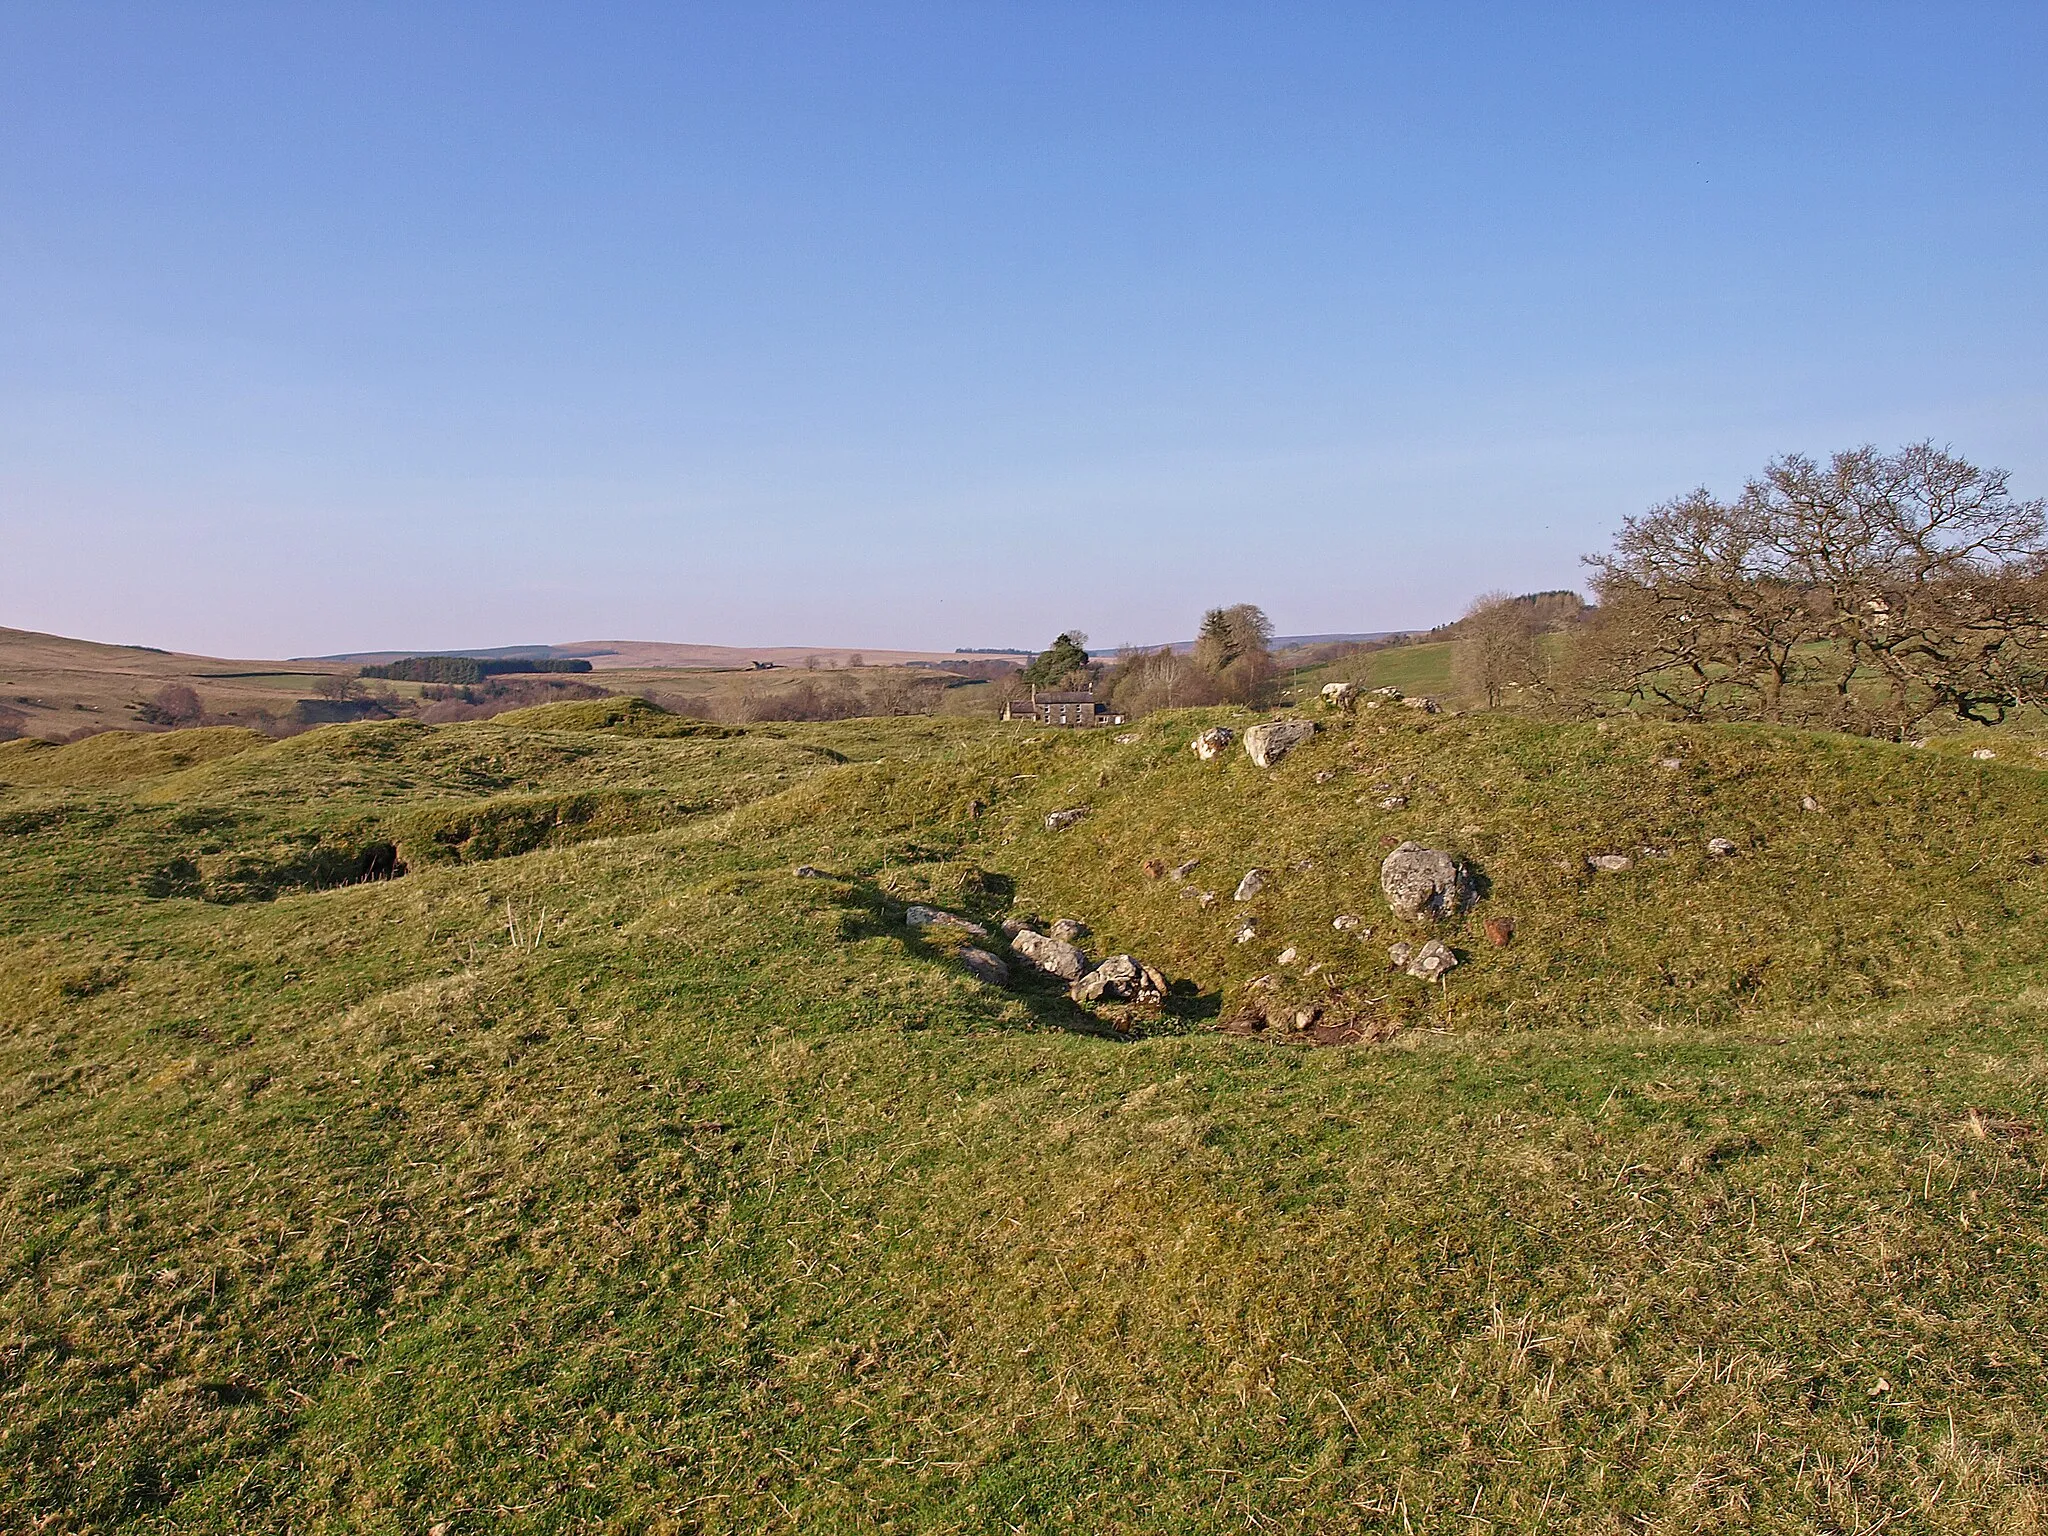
pixel 350 327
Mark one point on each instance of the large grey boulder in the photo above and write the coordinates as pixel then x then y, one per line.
pixel 1212 742
pixel 1270 742
pixel 1119 979
pixel 1423 883
pixel 1056 957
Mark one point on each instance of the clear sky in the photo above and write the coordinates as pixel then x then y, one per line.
pixel 357 326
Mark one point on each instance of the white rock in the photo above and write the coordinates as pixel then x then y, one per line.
pixel 1288 955
pixel 1611 863
pixel 1270 742
pixel 1808 803
pixel 1721 847
pixel 1344 924
pixel 1212 742
pixel 1984 754
pixel 1055 957
pixel 1059 821
pixel 1254 881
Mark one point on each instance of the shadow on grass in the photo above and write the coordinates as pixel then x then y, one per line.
pixel 866 912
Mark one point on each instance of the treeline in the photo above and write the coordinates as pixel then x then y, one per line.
pixel 1873 594
pixel 457 670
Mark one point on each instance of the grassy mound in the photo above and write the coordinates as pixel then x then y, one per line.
pixel 641 1184
pixel 120 757
pixel 628 716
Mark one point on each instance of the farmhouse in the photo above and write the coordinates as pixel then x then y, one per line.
pixel 1046 707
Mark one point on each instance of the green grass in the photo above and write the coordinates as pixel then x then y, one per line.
pixel 605 1175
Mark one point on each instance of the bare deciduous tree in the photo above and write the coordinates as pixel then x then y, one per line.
pixel 1869 593
pixel 1495 647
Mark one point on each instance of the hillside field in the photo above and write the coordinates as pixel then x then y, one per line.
pixel 484 1127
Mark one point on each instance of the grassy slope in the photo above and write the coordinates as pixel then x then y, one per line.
pixel 634 1182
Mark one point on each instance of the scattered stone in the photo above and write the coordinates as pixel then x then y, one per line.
pixel 1267 744
pixel 1424 703
pixel 1212 743
pixel 1670 764
pixel 1119 979
pixel 1056 957
pixel 1127 738
pixel 1721 848
pixel 1611 863
pixel 1917 741
pixel 1206 898
pixel 1254 881
pixel 985 967
pixel 1423 882
pixel 1500 931
pixel 811 872
pixel 1431 961
pixel 1394 803
pixel 932 917
pixel 1350 923
pixel 1246 933
pixel 1324 775
pixel 1397 954
pixel 1012 926
pixel 1289 955
pixel 1808 803
pixel 975 809
pixel 1984 754
pixel 1059 821
pixel 1647 852
pixel 1070 930
pixel 1340 695
pixel 1155 869
pixel 1387 693
pixel 1182 871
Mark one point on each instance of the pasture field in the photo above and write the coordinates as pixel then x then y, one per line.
pixel 484 1127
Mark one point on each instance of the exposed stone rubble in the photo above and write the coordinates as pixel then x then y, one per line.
pixel 1212 743
pixel 1120 979
pixel 1060 820
pixel 1425 962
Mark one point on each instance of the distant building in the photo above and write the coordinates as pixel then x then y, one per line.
pixel 1046 707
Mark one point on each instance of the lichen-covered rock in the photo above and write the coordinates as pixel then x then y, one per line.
pixel 1119 979
pixel 985 967
pixel 1267 744
pixel 1431 961
pixel 933 917
pixel 1070 930
pixel 1423 883
pixel 1056 957
pixel 1213 742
